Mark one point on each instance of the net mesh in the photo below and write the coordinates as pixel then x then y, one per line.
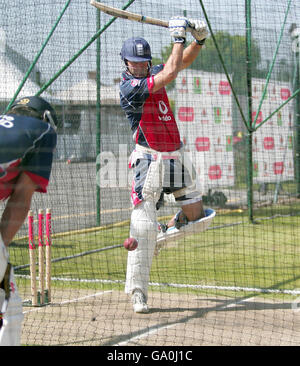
pixel 238 114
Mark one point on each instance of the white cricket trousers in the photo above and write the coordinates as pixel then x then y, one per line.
pixel 143 227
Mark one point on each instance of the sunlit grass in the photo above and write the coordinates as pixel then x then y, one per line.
pixel 233 252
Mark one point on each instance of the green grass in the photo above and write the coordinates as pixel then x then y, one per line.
pixel 263 255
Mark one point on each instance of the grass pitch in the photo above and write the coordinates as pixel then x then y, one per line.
pixel 233 252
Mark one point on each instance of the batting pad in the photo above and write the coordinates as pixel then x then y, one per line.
pixel 192 227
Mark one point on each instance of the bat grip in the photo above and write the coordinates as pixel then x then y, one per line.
pixel 190 27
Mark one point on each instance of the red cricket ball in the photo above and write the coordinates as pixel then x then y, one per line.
pixel 130 244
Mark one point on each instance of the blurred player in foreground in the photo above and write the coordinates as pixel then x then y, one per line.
pixel 158 147
pixel 27 141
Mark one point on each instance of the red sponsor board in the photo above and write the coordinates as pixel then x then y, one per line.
pixel 285 93
pixel 215 172
pixel 278 167
pixel 269 143
pixel 186 114
pixel 224 88
pixel 259 118
pixel 236 139
pixel 202 144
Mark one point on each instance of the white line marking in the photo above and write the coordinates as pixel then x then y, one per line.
pixel 157 329
pixel 181 285
pixel 145 334
pixel 235 303
pixel 69 301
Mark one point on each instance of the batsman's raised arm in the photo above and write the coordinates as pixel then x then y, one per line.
pixel 181 58
pixel 171 68
pixel 199 32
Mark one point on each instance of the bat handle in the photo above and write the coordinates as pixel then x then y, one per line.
pixel 190 27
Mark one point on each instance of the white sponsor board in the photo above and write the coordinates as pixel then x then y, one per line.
pixel 204 116
pixel 273 140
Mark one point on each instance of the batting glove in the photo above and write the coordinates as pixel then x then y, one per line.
pixel 3 259
pixel 198 30
pixel 177 28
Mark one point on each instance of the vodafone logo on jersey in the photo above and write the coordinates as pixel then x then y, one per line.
pixel 186 114
pixel 215 172
pixel 163 110
pixel 269 143
pixel 162 107
pixel 224 88
pixel 202 144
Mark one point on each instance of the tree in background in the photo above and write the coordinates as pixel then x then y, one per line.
pixel 233 51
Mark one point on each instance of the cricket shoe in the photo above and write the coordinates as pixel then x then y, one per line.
pixel 162 227
pixel 172 234
pixel 139 302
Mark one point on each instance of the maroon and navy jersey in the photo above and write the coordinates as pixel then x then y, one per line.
pixel 26 145
pixel 151 118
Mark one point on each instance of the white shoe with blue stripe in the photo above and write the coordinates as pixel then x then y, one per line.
pixel 192 227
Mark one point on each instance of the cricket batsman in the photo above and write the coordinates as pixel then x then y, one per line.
pixel 158 159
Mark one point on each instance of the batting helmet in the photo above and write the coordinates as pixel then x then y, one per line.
pixel 136 49
pixel 40 105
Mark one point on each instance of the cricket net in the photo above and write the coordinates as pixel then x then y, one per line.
pixel 237 108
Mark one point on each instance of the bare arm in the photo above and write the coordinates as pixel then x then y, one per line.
pixel 189 55
pixel 179 59
pixel 171 68
pixel 17 208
